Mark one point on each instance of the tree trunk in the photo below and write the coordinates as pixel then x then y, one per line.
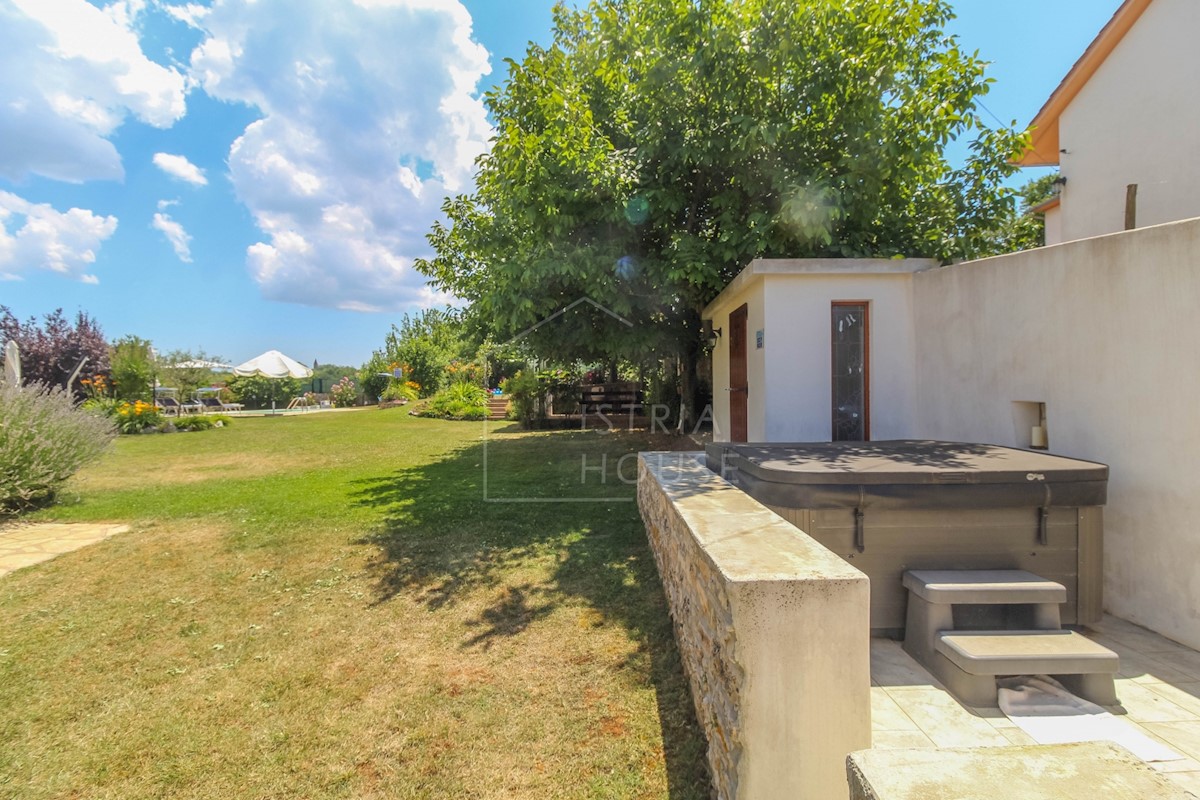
pixel 689 383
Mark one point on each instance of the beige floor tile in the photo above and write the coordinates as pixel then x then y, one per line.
pixel 944 720
pixel 1147 669
pixel 1182 736
pixel 899 740
pixel 891 666
pixel 1143 704
pixel 1182 765
pixel 1188 781
pixel 1185 661
pixel 1185 694
pixel 1135 636
pixel 25 546
pixel 886 715
pixel 1015 735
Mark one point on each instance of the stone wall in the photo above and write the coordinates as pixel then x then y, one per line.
pixel 772 629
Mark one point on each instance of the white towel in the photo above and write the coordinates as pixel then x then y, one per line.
pixel 1040 706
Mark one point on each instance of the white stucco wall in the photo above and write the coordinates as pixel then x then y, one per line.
pixel 750 293
pixel 790 386
pixel 1137 120
pixel 1106 332
pixel 1054 228
pixel 797 344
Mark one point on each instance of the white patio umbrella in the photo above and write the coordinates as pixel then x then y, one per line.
pixel 273 364
pixel 197 363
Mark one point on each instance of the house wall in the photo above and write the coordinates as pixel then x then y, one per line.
pixel 1106 333
pixel 790 301
pixel 1136 121
pixel 752 296
pixel 1054 226
pixel 798 354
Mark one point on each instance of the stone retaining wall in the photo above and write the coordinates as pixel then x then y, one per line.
pixel 772 628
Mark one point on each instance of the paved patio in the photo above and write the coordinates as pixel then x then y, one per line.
pixel 1158 686
pixel 24 545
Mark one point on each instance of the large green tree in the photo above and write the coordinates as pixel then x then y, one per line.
pixel 657 146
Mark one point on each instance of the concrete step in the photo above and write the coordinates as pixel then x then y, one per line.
pixel 1025 652
pixel 968 663
pixel 982 587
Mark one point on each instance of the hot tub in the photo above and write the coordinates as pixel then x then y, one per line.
pixel 887 507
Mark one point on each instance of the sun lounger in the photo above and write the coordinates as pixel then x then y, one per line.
pixel 168 405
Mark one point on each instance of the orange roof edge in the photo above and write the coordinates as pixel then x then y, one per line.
pixel 1043 149
pixel 1046 205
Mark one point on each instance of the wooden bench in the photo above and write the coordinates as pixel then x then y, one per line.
pixel 611 398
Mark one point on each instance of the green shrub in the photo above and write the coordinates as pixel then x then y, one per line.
pixel 397 392
pixel 132 368
pixel 526 397
pixel 44 439
pixel 102 406
pixel 199 422
pixel 460 401
pixel 255 391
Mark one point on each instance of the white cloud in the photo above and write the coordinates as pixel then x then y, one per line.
pixel 70 73
pixel 369 120
pixel 179 167
pixel 35 235
pixel 180 240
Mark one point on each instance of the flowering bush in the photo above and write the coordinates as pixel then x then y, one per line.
pixel 44 439
pixel 464 372
pixel 137 416
pixel 97 386
pixel 344 393
pixel 400 393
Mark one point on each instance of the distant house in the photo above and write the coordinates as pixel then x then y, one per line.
pixel 1123 126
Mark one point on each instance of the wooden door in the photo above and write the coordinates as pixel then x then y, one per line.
pixel 739 385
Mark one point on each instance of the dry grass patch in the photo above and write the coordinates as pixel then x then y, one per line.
pixel 373 629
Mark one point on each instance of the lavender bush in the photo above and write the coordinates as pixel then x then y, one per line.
pixel 44 439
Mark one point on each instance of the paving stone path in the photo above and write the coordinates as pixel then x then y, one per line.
pixel 23 545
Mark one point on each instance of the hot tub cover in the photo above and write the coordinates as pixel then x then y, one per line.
pixel 907 474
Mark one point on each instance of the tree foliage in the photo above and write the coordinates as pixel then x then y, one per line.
pixel 184 370
pixel 1020 229
pixel 256 391
pixel 657 146
pixel 423 345
pixel 52 350
pixel 132 368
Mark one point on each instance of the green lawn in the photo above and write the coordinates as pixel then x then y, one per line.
pixel 325 606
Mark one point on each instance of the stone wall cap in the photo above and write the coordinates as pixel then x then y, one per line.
pixel 747 542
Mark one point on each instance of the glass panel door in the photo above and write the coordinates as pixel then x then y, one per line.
pixel 850 376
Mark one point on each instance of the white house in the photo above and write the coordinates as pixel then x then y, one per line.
pixel 815 349
pixel 1124 125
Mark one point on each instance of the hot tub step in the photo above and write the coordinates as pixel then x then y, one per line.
pixel 982 586
pixel 968 663
pixel 933 593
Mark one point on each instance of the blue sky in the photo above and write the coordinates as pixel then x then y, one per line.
pixel 237 176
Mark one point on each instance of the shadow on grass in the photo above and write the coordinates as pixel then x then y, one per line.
pixel 441 539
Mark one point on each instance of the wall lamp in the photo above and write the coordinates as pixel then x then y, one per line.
pixel 714 336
